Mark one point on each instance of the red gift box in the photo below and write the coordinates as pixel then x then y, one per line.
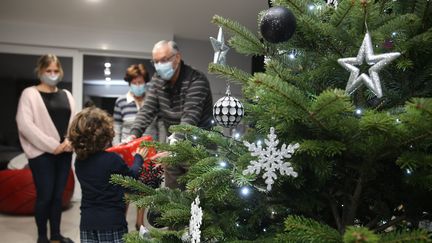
pixel 126 151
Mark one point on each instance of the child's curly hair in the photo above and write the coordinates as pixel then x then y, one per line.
pixel 91 131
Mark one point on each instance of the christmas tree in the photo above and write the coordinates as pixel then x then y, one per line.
pixel 362 169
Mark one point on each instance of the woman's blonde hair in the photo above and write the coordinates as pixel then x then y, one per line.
pixel 91 131
pixel 46 60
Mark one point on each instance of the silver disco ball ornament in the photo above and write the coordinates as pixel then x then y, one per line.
pixel 228 111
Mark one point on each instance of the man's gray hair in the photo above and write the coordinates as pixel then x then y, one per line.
pixel 171 44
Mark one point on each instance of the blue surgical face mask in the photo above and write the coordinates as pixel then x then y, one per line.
pixel 165 70
pixel 137 90
pixel 51 80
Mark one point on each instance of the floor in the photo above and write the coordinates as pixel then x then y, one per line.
pixel 22 229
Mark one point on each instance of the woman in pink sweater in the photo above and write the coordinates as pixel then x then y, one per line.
pixel 43 117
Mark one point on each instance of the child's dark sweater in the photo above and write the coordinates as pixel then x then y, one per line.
pixel 102 205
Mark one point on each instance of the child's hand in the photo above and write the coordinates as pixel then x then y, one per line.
pixel 67 146
pixel 143 151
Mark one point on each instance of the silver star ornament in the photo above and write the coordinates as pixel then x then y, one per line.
pixel 376 62
pixel 220 48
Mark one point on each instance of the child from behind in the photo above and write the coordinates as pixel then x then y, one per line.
pixel 102 206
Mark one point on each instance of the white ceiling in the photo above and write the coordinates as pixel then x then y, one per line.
pixel 183 18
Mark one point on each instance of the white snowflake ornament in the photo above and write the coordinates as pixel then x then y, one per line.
pixel 195 221
pixel 271 159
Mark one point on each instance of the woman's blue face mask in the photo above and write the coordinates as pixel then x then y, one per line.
pixel 138 90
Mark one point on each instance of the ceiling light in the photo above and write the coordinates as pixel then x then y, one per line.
pixel 107 72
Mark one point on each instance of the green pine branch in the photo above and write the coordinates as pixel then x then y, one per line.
pixel 329 103
pixel 312 30
pixel 229 148
pixel 156 236
pixel 292 95
pixel 404 26
pixel 279 69
pixel 231 73
pixel 184 153
pixel 243 40
pixel 342 12
pixel 417 120
pixel 359 235
pixel 131 183
pixel 298 6
pixel 175 217
pixel 421 9
pixel 212 233
pixel 215 184
pixel 406 236
pixel 414 159
pixel 378 123
pixel 318 148
pixel 203 166
pixel 302 229
pixel 420 43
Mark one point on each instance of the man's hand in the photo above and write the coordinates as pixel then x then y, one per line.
pixel 172 139
pixel 128 139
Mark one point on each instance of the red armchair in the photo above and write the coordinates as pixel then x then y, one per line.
pixel 18 193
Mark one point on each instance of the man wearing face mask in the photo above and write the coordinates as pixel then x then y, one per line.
pixel 180 95
pixel 127 106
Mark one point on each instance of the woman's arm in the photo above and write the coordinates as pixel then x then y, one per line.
pixel 27 127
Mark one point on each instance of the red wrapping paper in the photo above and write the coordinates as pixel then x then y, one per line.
pixel 126 151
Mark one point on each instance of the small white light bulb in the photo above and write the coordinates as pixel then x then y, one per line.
pixel 245 191
pixel 223 164
pixel 358 111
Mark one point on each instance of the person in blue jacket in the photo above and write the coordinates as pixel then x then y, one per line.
pixel 102 206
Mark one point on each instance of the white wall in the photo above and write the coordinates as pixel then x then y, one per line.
pixel 80 38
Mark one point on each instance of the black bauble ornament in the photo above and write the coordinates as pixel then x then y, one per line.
pixel 277 24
